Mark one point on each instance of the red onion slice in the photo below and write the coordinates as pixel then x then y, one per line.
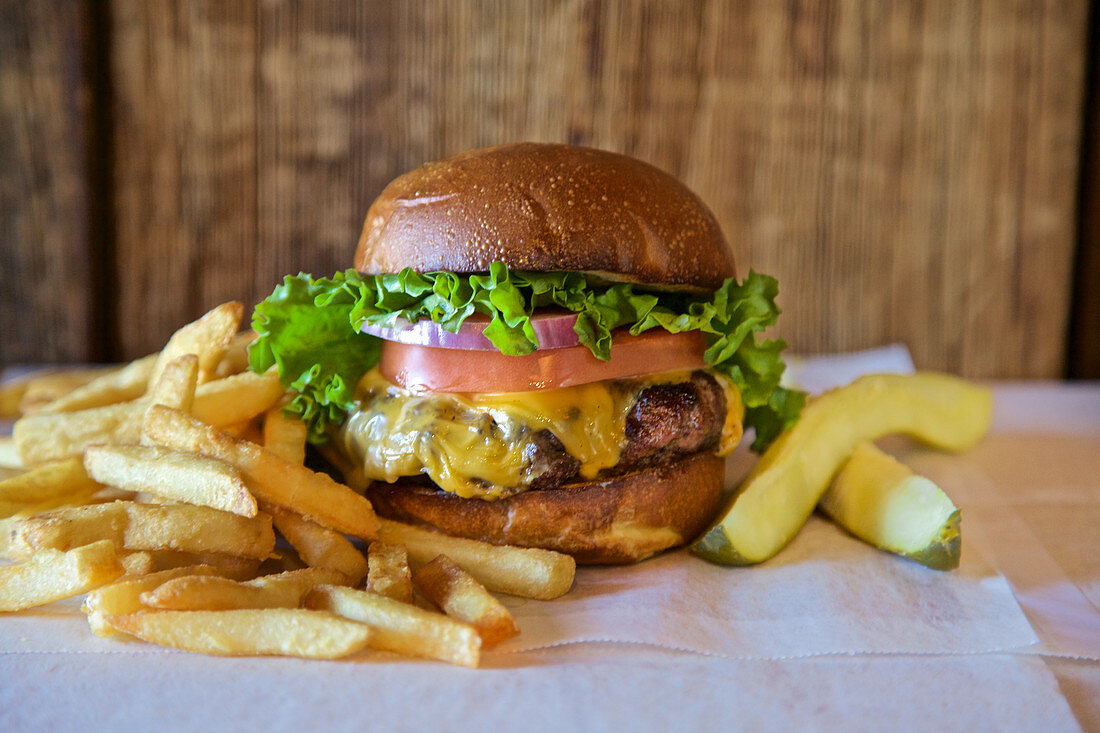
pixel 552 330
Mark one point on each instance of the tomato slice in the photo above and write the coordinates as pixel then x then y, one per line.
pixel 459 370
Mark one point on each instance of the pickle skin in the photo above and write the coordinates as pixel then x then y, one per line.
pixel 715 546
pixel 777 498
pixel 946 551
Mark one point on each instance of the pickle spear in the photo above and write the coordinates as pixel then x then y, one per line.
pixel 882 502
pixel 780 493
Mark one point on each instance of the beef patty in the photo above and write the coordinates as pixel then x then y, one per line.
pixel 666 422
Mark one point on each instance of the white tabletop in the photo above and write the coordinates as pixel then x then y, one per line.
pixel 959 654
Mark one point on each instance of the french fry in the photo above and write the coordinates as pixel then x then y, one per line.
pixel 207 338
pixel 42 388
pixel 11 510
pixel 461 597
pixel 248 632
pixel 235 430
pixel 237 398
pixel 400 627
pixel 207 593
pixel 52 575
pixel 271 479
pixel 138 563
pixel 110 387
pixel 388 571
pixel 50 436
pixel 252 433
pixel 319 547
pixel 177 382
pixel 281 560
pixel 124 596
pixel 527 572
pixel 227 566
pixel 49 482
pixel 46 437
pixel 132 526
pixel 9 455
pixel 285 436
pixel 235 359
pixel 169 474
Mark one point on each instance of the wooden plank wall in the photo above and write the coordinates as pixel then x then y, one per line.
pixel 907 170
pixel 46 297
pixel 1084 333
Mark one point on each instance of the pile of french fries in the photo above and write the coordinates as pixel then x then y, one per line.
pixel 173 493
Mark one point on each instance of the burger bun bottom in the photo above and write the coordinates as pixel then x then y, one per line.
pixel 617 521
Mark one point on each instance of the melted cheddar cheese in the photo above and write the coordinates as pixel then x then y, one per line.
pixel 477 445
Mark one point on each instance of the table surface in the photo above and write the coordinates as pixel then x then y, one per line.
pixel 1030 496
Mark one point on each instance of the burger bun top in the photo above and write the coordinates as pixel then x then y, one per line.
pixel 546 207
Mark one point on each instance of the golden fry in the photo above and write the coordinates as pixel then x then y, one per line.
pixel 281 560
pixel 169 474
pixel 49 482
pixel 9 455
pixel 235 359
pixel 388 571
pixel 110 387
pixel 43 388
pixel 177 382
pixel 207 593
pixel 138 563
pixel 227 566
pixel 46 437
pixel 519 571
pixel 124 596
pixel 207 338
pixel 319 547
pixel 248 632
pixel 461 597
pixel 134 526
pixel 52 575
pixel 236 399
pixel 271 479
pixel 285 436
pixel 400 627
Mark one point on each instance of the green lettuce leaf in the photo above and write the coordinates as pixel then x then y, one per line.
pixel 303 329
pixel 311 329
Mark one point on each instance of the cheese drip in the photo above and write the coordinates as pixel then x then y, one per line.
pixel 475 445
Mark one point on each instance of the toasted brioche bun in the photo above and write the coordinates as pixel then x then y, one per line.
pixel 620 520
pixel 546 207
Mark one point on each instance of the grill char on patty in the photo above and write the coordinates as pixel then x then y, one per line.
pixel 666 422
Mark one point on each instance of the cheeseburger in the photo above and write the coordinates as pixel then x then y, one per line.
pixel 540 345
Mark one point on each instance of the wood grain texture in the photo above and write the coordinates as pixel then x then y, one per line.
pixel 45 297
pixel 1084 332
pixel 185 175
pixel 907 170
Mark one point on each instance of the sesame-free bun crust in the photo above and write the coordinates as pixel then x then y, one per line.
pixel 620 520
pixel 546 207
